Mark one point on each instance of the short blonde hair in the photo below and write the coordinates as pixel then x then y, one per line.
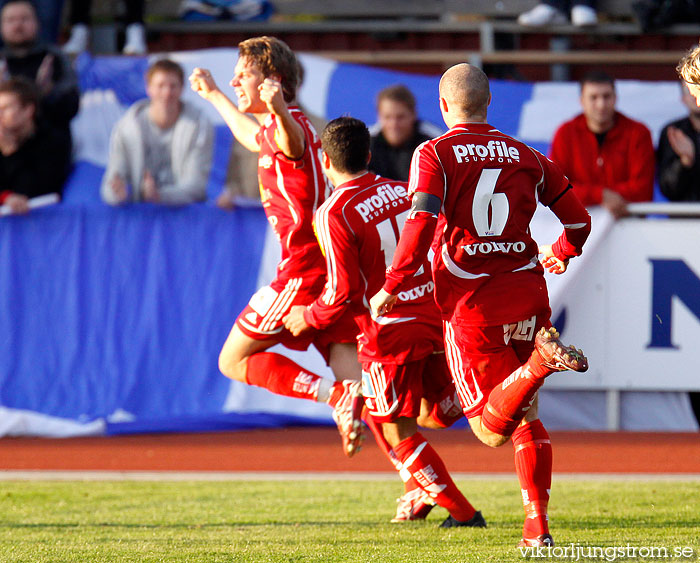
pixel 689 66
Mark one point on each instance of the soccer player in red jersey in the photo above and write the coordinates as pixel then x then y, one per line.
pixel 489 283
pixel 292 186
pixel 401 354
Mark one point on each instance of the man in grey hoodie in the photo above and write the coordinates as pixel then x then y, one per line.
pixel 161 149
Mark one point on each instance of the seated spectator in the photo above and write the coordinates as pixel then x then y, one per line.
pixel 25 55
pixel 161 149
pixel 34 158
pixel 553 12
pixel 397 133
pixel 608 157
pixel 678 165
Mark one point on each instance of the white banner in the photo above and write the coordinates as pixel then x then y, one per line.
pixel 633 306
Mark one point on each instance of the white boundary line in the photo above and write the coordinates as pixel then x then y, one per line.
pixel 40 475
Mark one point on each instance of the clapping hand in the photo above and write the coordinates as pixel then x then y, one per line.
pixel 682 145
pixel 118 186
pixel 150 188
pixel 44 76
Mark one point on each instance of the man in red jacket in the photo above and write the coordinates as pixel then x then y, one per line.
pixel 608 157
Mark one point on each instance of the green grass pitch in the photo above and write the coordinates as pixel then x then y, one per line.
pixel 327 521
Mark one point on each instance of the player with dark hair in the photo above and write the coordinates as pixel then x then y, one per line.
pixel 292 186
pixel 402 356
pixel 34 158
pixel 489 284
pixel 397 133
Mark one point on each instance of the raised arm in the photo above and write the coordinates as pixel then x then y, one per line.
pixel 290 136
pixel 243 127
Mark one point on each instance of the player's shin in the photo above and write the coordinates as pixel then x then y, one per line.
pixel 414 503
pixel 509 402
pixel 375 428
pixel 420 460
pixel 282 376
pixel 533 464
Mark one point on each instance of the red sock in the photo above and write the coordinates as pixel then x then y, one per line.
pixel 376 428
pixel 282 376
pixel 509 401
pixel 447 409
pixel 425 465
pixel 336 393
pixel 533 464
pixel 534 362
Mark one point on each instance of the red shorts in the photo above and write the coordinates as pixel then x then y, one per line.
pixel 262 318
pixel 392 391
pixel 482 357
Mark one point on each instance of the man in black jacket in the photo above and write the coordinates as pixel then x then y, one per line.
pixel 34 159
pixel 397 133
pixel 678 154
pixel 25 55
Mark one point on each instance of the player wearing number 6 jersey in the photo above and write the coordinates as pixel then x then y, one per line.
pixel 358 227
pixel 489 284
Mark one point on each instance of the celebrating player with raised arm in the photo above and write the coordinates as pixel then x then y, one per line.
pixel 489 284
pixel 292 186
pixel 401 354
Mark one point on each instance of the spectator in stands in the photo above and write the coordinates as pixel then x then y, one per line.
pixel 397 133
pixel 608 157
pixel 161 149
pixel 34 158
pixel 553 12
pixel 79 18
pixel 24 54
pixel 678 165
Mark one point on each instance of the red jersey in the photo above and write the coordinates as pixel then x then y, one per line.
pixel 358 228
pixel 486 269
pixel 291 191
